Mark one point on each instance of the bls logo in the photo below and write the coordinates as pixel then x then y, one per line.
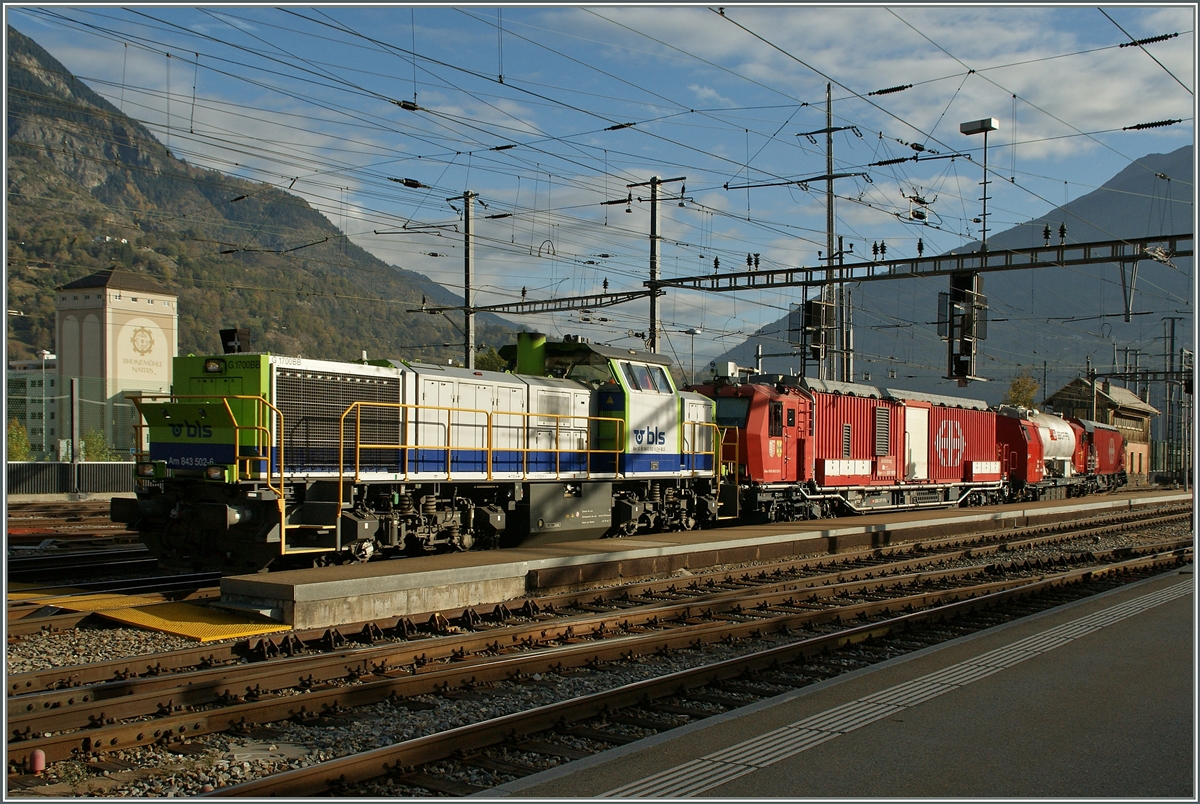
pixel 652 436
pixel 193 430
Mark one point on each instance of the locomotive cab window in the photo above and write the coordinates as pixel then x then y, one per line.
pixel 732 411
pixel 791 417
pixel 589 368
pixel 661 381
pixel 775 422
pixel 639 377
pixel 583 367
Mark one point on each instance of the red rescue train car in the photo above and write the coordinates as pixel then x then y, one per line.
pixel 805 448
pixel 802 448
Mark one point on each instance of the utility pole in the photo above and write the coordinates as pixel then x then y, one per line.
pixel 836 363
pixel 825 321
pixel 655 181
pixel 832 293
pixel 468 199
pixel 1091 375
pixel 1186 368
pixel 75 450
pixel 1170 417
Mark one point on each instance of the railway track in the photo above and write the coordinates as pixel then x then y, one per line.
pixel 516 745
pixel 78 565
pixel 64 523
pixel 89 711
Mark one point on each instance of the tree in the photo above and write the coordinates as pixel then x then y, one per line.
pixel 18 441
pixel 490 360
pixel 1021 391
pixel 97 448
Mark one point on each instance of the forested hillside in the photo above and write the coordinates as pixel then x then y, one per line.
pixel 89 188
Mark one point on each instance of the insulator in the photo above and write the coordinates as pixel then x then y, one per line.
pixel 890 90
pixel 1155 124
pixel 1151 40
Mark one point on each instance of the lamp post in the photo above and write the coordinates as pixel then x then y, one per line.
pixel 43 354
pixel 965 305
pixel 693 332
pixel 982 127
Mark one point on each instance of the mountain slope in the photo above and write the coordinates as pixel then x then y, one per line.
pixel 237 253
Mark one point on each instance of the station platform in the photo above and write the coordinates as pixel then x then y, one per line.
pixel 1088 700
pixel 355 593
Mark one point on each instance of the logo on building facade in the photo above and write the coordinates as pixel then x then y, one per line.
pixel 142 341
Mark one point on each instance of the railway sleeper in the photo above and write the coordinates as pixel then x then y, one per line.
pixel 440 784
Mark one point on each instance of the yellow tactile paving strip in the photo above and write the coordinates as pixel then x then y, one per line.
pixel 19 591
pixel 195 622
pixel 182 619
pixel 97 601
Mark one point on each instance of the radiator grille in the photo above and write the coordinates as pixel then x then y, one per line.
pixel 846 440
pixel 312 403
pixel 883 430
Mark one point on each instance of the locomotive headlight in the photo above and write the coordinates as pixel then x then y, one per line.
pixel 214 365
pixel 214 473
pixel 145 469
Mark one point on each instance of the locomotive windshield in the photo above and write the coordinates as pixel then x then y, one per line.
pixel 585 367
pixel 732 411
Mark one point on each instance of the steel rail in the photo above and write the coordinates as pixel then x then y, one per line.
pixel 59 710
pixel 123 676
pixel 113 736
pixel 335 775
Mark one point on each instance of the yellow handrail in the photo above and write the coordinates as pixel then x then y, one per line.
pixel 488 446
pixel 262 411
pixel 719 467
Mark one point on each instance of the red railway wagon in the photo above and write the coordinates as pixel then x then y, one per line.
pixel 765 430
pixel 903 438
pixel 852 447
pixel 1047 457
pixel 962 436
pixel 858 436
pixel 1020 451
pixel 1103 452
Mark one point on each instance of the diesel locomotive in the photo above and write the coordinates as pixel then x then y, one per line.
pixel 258 461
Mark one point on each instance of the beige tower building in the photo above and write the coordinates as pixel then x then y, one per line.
pixel 116 331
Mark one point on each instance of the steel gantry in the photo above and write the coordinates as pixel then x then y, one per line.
pixel 1061 256
pixel 1124 252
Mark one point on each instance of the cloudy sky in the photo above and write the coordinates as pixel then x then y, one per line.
pixel 548 112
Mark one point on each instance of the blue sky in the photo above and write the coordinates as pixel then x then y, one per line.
pixel 309 98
